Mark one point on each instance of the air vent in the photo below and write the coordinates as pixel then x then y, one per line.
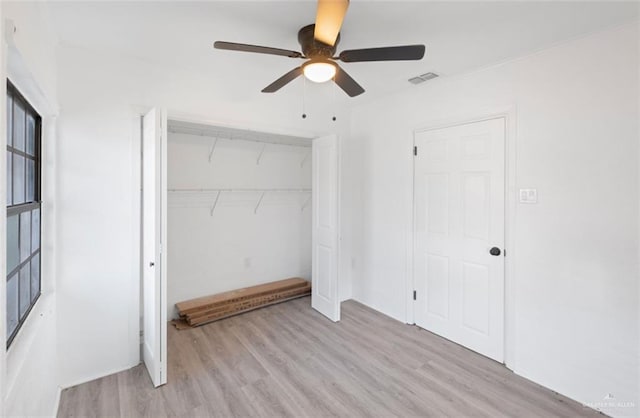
pixel 422 78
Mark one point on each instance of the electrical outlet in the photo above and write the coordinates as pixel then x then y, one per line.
pixel 528 196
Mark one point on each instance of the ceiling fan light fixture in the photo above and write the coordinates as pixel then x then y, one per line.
pixel 319 71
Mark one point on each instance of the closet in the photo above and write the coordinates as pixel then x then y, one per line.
pixel 238 209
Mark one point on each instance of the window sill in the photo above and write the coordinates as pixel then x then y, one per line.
pixel 19 351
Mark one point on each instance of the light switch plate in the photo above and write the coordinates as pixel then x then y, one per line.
pixel 528 196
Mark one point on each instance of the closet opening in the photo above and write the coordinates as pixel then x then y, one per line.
pixel 238 210
pixel 225 210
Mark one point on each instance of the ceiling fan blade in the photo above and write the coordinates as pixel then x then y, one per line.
pixel 346 83
pixel 392 53
pixel 329 17
pixel 283 81
pixel 231 46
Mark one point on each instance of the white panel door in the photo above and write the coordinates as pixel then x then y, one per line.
pixel 324 263
pixel 154 278
pixel 459 234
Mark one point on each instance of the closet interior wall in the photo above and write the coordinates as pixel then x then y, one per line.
pixel 239 210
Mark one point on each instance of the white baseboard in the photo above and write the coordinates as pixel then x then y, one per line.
pixel 56 404
pixel 96 377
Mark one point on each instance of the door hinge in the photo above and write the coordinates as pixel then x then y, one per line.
pixel 415 150
pixel 414 295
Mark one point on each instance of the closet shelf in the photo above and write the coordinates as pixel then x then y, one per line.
pixel 294 190
pixel 262 192
pixel 243 135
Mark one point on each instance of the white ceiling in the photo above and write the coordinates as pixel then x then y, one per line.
pixel 460 36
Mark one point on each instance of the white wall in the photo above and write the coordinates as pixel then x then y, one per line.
pixel 29 368
pixel 235 247
pixel 101 96
pixel 573 322
pixel 571 102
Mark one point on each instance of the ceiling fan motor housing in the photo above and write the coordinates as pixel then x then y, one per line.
pixel 312 48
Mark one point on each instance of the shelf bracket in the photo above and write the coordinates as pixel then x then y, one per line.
pixel 215 203
pixel 259 202
pixel 306 203
pixel 213 148
pixel 261 153
pixel 304 160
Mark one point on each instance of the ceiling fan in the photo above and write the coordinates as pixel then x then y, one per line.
pixel 319 42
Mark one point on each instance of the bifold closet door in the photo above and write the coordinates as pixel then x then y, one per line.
pixel 324 262
pixel 154 271
pixel 459 234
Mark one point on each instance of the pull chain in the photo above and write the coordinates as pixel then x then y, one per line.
pixel 304 90
pixel 335 87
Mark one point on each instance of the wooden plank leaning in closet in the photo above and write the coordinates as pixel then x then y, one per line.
pixel 207 309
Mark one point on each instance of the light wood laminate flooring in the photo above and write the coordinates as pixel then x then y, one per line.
pixel 288 360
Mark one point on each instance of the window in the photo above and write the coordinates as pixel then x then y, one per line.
pixel 23 209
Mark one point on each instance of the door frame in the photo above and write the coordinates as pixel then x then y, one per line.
pixel 509 115
pixel 136 112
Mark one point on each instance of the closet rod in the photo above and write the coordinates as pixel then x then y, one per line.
pixel 238 190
